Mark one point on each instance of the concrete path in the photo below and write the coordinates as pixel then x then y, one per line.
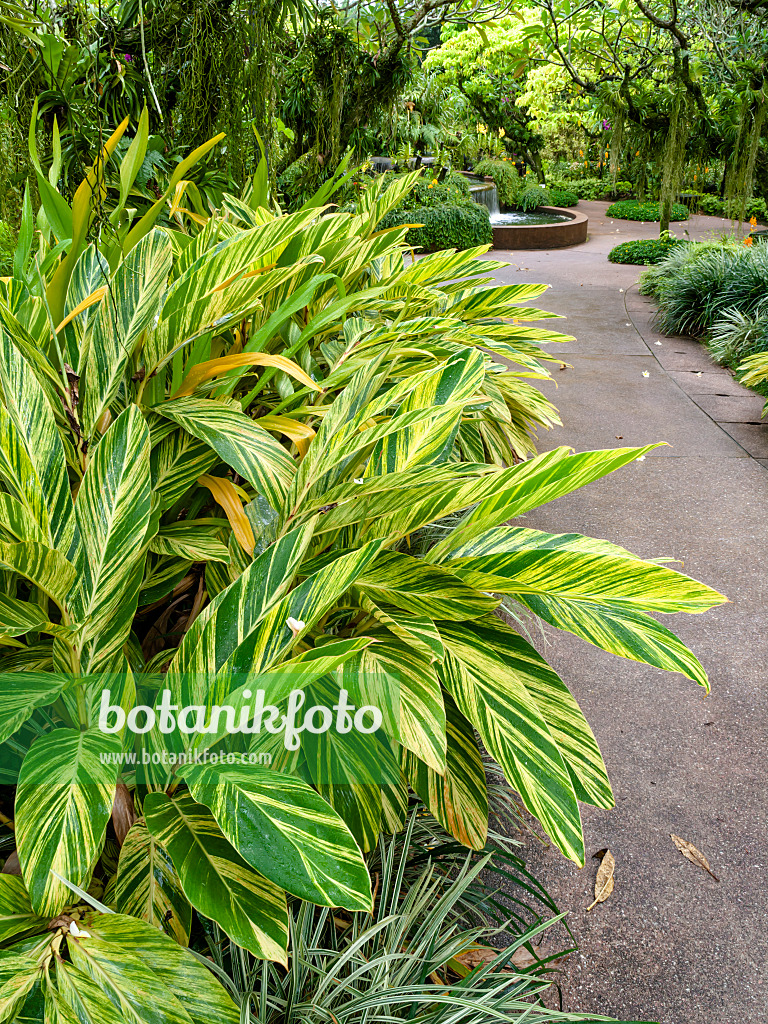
pixel 671 944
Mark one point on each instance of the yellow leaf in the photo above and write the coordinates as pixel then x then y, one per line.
pixel 89 300
pixel 604 880
pixel 213 367
pixel 178 195
pixel 224 492
pixel 690 853
pixel 298 432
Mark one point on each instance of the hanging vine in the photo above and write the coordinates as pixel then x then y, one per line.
pixel 741 166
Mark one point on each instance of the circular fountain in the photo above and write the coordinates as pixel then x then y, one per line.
pixel 547 227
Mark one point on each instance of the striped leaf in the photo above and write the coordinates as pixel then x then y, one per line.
pixel 273 638
pixel 120 980
pixel 147 885
pixel 233 615
pixel 590 588
pixel 237 440
pixel 177 463
pixel 565 719
pixel 215 878
pixel 17 918
pixel 194 540
pixel 421 589
pixel 430 442
pixel 127 310
pixel 17 618
pixel 112 511
pixel 283 829
pixel 17 977
pixel 493 696
pixel 81 999
pixel 46 568
pixel 16 522
pixel 571 569
pixel 32 462
pixel 458 798
pixel 23 692
pixel 63 803
pixel 417 631
pixel 204 999
pixel 530 484
pixel 400 681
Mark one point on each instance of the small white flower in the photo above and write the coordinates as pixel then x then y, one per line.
pixel 657 343
pixel 295 625
pixel 77 932
pixel 621 290
pixel 641 458
pixel 627 325
pixel 359 480
pixel 699 373
pixel 645 373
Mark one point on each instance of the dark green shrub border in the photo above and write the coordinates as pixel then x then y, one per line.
pixel 444 227
pixel 562 197
pixel 645 252
pixel 631 209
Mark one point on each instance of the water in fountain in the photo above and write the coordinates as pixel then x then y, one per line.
pixel 486 195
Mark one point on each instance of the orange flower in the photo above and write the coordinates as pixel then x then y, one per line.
pixel 748 240
pixel 753 221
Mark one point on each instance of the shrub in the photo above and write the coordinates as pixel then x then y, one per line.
pixel 430 192
pixel 631 209
pixel 714 206
pixel 644 252
pixel 505 178
pixel 7 245
pixel 562 197
pixel 443 227
pixel 593 188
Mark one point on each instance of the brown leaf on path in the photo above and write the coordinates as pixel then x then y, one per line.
pixel 690 853
pixel 479 956
pixel 604 880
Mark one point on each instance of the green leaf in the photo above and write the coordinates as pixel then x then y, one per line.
pixel 63 802
pixel 17 977
pixel 147 885
pixel 493 696
pixel 131 989
pixel 237 440
pixel 23 692
pixel 204 999
pixel 459 797
pixel 18 618
pixel 17 919
pixel 215 879
pixel 283 829
pixel 112 511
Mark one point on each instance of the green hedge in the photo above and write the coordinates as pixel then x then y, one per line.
pixel 645 252
pixel 594 188
pixel 444 227
pixel 631 209
pixel 428 191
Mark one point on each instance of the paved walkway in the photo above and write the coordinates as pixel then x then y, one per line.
pixel 671 944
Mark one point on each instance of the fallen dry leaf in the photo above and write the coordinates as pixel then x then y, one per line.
pixel 604 880
pixel 690 853
pixel 478 956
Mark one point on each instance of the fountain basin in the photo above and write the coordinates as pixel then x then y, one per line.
pixel 566 227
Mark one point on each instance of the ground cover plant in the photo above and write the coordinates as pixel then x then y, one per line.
pixel 645 251
pixel 630 209
pixel 253 445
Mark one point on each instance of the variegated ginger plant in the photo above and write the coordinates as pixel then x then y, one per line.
pixel 299 437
